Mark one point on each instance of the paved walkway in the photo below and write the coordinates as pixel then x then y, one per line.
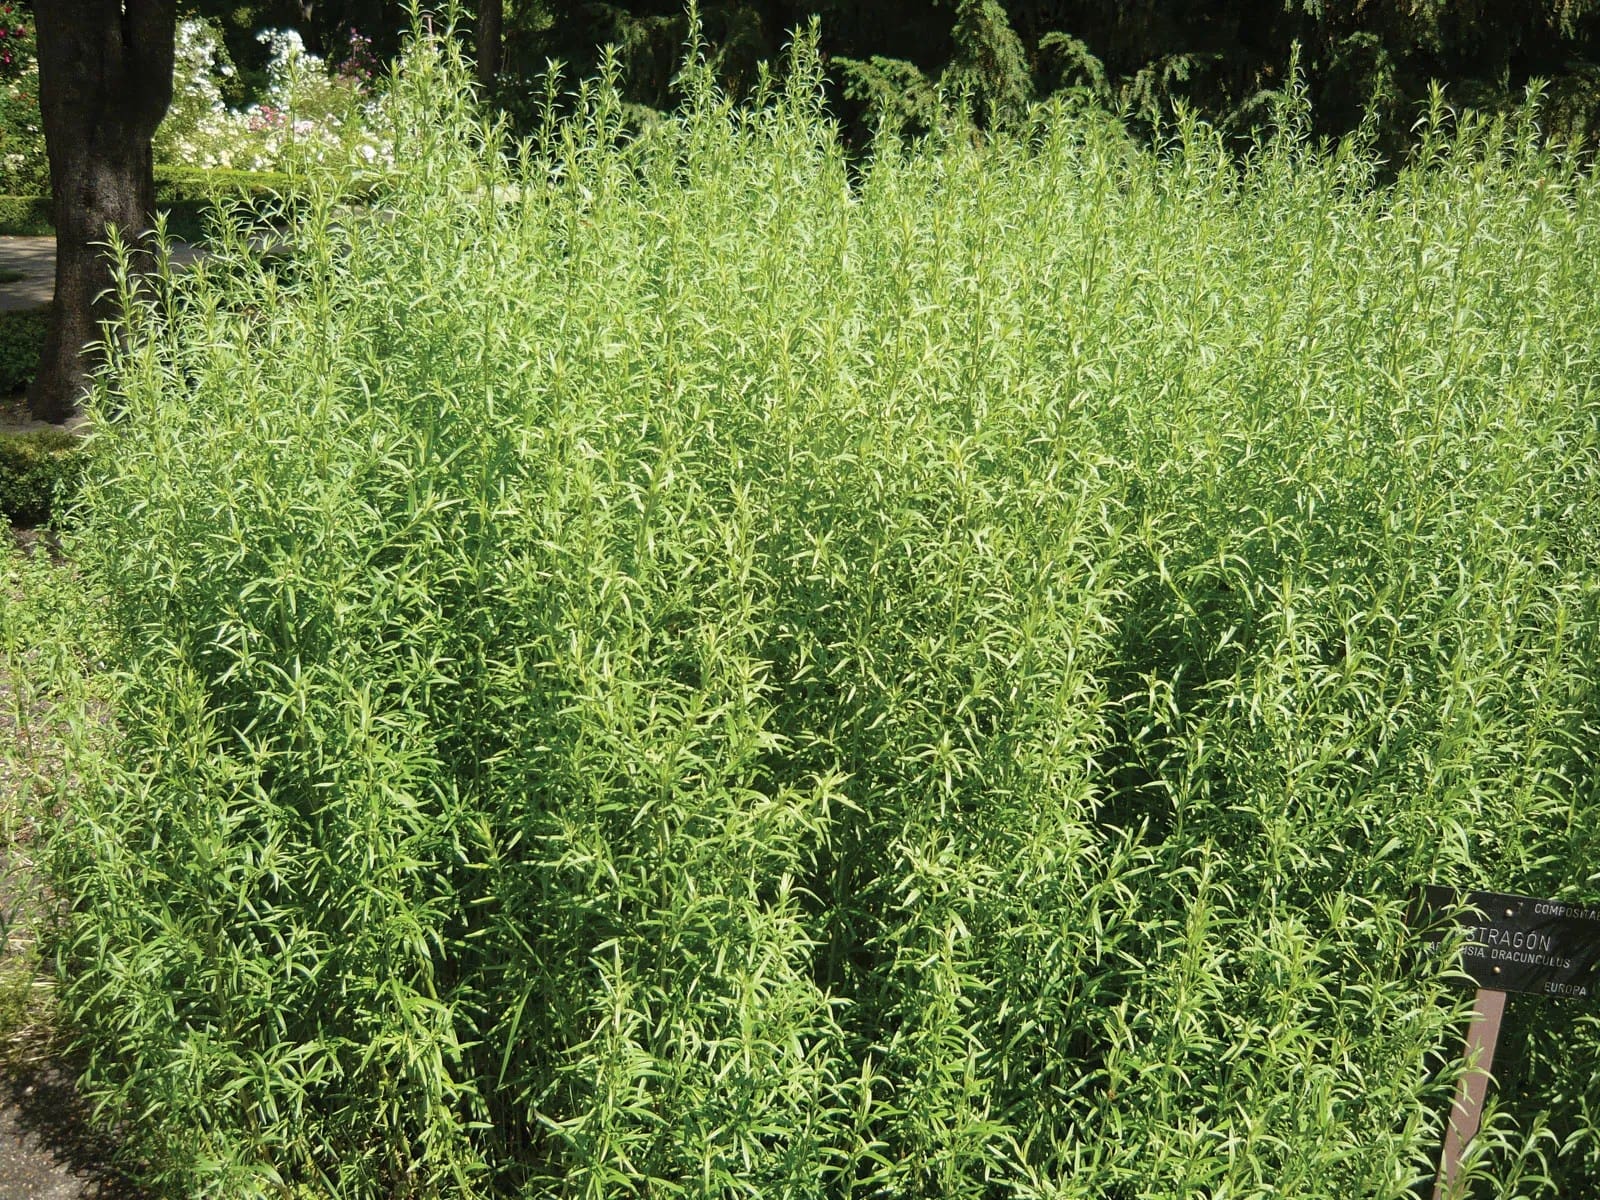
pixel 46 1153
pixel 34 258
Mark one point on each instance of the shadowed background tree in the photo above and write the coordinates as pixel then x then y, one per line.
pixel 491 19
pixel 1225 59
pixel 106 76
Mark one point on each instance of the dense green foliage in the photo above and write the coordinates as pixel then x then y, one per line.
pixel 193 185
pixel 48 626
pixel 21 336
pixel 38 470
pixel 185 194
pixel 25 216
pixel 1226 59
pixel 23 165
pixel 691 666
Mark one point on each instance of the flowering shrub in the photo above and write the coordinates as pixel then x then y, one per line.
pixel 24 168
pixel 360 61
pixel 310 114
pixel 16 40
pixel 200 63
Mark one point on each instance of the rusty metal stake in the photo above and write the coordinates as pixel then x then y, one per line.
pixel 1482 1035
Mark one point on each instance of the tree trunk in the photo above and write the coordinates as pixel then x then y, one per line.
pixel 491 18
pixel 105 80
pixel 310 35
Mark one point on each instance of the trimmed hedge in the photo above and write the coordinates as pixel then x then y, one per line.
pixel 21 336
pixel 38 470
pixel 186 193
pixel 25 216
pixel 184 185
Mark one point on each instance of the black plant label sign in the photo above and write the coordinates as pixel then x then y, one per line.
pixel 1516 943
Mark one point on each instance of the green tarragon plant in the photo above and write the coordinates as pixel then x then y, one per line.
pixel 688 666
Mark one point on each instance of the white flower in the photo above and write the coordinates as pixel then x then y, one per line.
pixel 285 43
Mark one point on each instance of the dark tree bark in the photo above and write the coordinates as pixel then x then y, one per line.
pixel 491 19
pixel 105 80
pixel 309 32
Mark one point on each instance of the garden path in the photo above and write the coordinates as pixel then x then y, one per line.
pixel 34 259
pixel 28 269
pixel 44 1152
pixel 28 280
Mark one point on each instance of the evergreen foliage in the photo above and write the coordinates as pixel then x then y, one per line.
pixel 1225 59
pixel 886 59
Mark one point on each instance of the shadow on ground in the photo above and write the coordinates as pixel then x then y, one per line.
pixel 48 1149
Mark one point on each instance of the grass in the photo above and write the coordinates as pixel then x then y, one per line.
pixel 689 665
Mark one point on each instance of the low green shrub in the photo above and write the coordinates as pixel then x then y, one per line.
pixel 687 665
pixel 185 194
pixel 47 629
pixel 177 185
pixel 39 474
pixel 25 216
pixel 21 340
